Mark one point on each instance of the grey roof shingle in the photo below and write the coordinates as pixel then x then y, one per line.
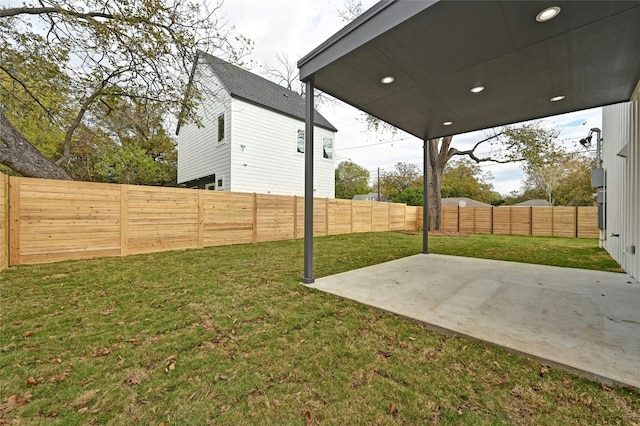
pixel 258 90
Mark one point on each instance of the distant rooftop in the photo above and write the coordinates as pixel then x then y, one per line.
pixel 371 196
pixel 532 203
pixel 463 202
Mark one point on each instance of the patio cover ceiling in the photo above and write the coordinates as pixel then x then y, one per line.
pixel 438 50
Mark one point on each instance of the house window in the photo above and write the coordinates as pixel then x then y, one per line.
pixel 210 186
pixel 327 148
pixel 300 141
pixel 221 128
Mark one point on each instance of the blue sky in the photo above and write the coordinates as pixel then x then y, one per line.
pixel 295 27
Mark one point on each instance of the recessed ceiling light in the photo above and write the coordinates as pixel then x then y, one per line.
pixel 548 14
pixel 557 98
pixel 477 89
pixel 387 80
pixel 447 123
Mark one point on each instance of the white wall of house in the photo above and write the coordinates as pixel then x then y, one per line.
pixel 265 157
pixel 199 151
pixel 620 128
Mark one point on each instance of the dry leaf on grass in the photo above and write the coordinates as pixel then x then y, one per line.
pixel 32 381
pixel 60 377
pixel 14 401
pixel 100 352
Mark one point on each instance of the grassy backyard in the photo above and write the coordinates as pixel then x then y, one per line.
pixel 227 335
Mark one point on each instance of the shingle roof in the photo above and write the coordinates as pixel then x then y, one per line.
pixel 253 88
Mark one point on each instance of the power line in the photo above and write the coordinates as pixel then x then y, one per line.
pixel 374 144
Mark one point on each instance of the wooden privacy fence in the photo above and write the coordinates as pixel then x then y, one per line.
pixel 581 222
pixel 47 220
pixel 53 220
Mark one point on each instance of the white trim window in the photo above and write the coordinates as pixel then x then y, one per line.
pixel 300 141
pixel 327 148
pixel 221 129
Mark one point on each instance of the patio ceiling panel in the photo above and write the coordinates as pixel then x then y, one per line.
pixel 590 53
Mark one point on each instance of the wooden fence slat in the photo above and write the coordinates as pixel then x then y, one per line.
pixel 124 219
pixel 14 220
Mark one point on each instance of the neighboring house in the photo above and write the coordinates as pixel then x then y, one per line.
pixel 371 196
pixel 252 136
pixel 462 202
pixel 536 202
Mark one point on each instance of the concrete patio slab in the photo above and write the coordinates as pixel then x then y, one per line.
pixel 581 320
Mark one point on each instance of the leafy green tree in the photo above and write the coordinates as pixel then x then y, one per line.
pixel 102 51
pixel 575 188
pixel 563 179
pixel 404 175
pixel 464 178
pixel 413 196
pixel 143 153
pixel 351 179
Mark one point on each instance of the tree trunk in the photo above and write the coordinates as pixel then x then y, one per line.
pixel 438 157
pixel 17 153
pixel 435 200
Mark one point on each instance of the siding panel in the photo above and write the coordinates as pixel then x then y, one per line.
pixel 621 126
pixel 265 158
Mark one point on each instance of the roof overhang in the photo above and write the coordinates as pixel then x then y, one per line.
pixel 438 50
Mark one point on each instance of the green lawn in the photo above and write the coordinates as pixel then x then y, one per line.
pixel 227 335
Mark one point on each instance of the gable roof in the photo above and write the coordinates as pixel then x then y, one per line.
pixel 252 88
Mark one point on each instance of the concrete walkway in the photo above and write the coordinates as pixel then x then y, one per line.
pixel 584 321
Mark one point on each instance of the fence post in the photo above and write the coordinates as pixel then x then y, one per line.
pixel 511 221
pixel 457 218
pixel 371 213
pixel 254 237
pixel 553 231
pixel 351 215
pixel 326 216
pixel 531 221
pixel 14 220
pixel 4 263
pixel 576 222
pixel 124 219
pixel 295 217
pixel 200 218
pixel 492 213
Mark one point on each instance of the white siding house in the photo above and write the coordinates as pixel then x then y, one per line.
pixel 621 162
pixel 251 137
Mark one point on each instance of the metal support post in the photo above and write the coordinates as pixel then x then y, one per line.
pixel 308 184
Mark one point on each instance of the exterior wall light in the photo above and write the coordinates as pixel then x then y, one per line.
pixel 387 80
pixel 477 89
pixel 548 14
pixel 557 98
pixel 447 123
